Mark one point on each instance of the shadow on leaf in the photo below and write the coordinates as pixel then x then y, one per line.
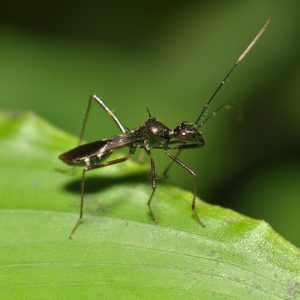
pixel 95 184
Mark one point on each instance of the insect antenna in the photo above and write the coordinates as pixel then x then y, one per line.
pixel 241 57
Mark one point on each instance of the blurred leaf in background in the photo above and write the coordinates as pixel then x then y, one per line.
pixel 170 56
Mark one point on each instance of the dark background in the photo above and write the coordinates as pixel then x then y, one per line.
pixel 170 56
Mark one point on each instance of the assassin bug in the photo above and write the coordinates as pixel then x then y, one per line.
pixel 151 135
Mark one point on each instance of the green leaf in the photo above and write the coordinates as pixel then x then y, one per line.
pixel 118 253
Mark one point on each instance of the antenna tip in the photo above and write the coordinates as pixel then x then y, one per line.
pixel 253 42
pixel 267 22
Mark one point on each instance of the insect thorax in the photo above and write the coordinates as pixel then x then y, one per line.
pixel 157 134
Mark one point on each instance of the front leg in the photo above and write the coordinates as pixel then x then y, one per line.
pixel 179 150
pixel 166 171
pixel 195 176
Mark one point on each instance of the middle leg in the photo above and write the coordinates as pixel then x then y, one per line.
pixel 153 180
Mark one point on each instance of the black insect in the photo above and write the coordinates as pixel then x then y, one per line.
pixel 151 135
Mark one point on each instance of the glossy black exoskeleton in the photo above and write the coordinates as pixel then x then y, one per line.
pixel 151 135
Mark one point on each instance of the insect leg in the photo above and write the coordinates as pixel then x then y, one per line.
pixel 190 171
pixel 112 162
pixel 166 171
pixel 106 108
pixel 141 158
pixel 236 108
pixel 92 167
pixel 153 180
pixel 79 221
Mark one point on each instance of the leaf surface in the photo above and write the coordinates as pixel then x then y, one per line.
pixel 118 253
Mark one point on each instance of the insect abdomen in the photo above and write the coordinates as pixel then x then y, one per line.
pixel 86 154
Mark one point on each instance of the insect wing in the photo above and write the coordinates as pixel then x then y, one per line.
pixel 77 155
